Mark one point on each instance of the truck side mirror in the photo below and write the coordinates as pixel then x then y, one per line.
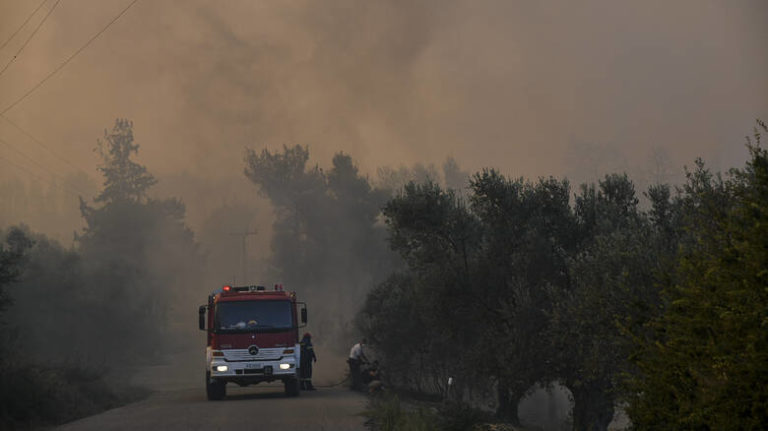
pixel 303 315
pixel 201 317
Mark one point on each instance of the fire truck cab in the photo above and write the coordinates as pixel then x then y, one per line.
pixel 253 337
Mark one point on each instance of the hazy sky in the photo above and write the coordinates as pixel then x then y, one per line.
pixel 533 88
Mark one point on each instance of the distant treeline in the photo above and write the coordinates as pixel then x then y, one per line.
pixel 519 283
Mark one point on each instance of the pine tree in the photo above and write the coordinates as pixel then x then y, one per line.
pixel 137 251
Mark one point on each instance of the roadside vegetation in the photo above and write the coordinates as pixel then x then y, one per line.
pixel 74 322
pixel 389 412
pixel 516 283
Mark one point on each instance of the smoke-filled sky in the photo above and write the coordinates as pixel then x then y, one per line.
pixel 532 88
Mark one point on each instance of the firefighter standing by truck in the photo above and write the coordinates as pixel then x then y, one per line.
pixel 308 356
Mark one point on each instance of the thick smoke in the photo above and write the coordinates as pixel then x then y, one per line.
pixel 563 89
pixel 493 83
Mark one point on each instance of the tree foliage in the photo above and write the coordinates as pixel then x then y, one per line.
pixel 435 234
pixel 478 283
pixel 663 308
pixel 327 242
pixel 520 287
pixel 101 305
pixel 12 253
pixel 703 366
pixel 137 253
pixel 124 179
pixel 48 313
pixel 612 288
pixel 527 235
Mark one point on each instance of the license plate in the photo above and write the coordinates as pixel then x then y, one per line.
pixel 251 366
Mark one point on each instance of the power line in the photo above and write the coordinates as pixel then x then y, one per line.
pixel 24 45
pixel 61 66
pixel 40 143
pixel 23 24
pixel 35 177
pixel 36 163
pixel 29 158
pixel 31 174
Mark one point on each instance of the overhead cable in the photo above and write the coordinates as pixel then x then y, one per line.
pixel 61 66
pixel 36 163
pixel 40 143
pixel 24 45
pixel 23 24
pixel 20 167
pixel 36 177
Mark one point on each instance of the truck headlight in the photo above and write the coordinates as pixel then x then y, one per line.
pixel 221 368
pixel 285 366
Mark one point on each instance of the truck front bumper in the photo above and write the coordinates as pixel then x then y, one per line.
pixel 247 372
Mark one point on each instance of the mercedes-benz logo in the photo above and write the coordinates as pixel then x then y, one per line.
pixel 253 350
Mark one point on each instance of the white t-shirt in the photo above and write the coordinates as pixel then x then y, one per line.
pixel 356 352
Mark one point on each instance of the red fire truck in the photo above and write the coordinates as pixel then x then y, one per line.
pixel 253 337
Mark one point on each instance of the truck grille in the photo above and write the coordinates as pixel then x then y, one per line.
pixel 239 355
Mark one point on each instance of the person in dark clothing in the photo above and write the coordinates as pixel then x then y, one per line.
pixel 308 356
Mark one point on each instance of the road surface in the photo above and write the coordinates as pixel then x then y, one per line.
pixel 261 407
pixel 179 403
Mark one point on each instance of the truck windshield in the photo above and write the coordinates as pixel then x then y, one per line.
pixel 253 316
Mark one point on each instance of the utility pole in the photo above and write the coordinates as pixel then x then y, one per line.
pixel 244 252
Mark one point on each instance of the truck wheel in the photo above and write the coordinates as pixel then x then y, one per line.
pixel 215 390
pixel 291 387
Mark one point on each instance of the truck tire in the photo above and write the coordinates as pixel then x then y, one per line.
pixel 215 390
pixel 291 387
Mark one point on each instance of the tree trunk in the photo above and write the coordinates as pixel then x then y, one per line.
pixel 592 408
pixel 508 401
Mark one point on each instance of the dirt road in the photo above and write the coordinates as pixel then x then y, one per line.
pixel 263 408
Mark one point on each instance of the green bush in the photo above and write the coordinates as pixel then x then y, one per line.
pixel 704 362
